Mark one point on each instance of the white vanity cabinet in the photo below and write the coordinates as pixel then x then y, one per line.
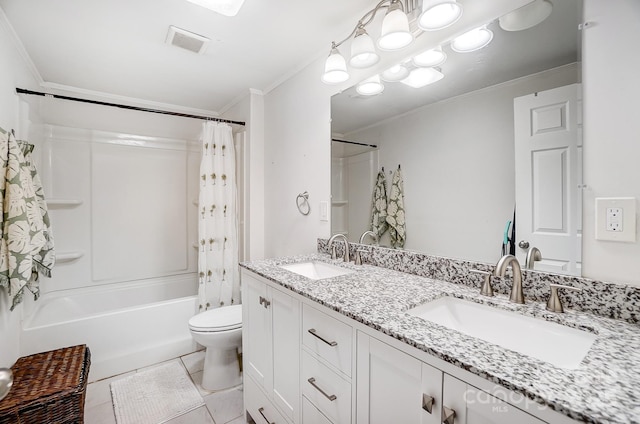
pixel 271 351
pixel 396 387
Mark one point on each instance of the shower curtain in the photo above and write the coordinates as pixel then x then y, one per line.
pixel 219 283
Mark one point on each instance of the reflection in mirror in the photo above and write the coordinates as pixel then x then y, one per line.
pixel 456 142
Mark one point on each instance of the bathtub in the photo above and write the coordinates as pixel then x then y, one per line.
pixel 126 325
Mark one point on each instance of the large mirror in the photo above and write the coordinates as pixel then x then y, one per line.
pixel 473 147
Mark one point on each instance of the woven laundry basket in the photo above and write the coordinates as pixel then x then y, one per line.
pixel 48 387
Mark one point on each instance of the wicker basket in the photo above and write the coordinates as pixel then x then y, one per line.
pixel 48 387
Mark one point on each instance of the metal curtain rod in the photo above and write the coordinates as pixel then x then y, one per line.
pixel 141 109
pixel 355 142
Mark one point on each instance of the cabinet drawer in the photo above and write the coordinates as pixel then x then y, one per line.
pixel 328 338
pixel 256 403
pixel 328 391
pixel 311 414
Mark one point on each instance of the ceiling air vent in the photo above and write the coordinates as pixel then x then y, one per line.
pixel 187 40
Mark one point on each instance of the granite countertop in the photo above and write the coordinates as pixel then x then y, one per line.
pixel 605 388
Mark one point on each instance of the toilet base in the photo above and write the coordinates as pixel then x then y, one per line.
pixel 221 369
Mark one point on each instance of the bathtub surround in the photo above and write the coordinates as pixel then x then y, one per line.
pixel 26 239
pixel 218 281
pixel 610 300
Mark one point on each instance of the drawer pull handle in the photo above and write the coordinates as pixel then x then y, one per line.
pixel 312 381
pixel 312 331
pixel 264 302
pixel 448 415
pixel 427 403
pixel 261 411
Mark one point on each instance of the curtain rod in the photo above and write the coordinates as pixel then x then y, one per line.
pixel 354 142
pixel 141 109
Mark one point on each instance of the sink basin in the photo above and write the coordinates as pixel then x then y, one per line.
pixel 562 346
pixel 317 270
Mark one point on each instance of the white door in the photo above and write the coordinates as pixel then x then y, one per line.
pixel 548 159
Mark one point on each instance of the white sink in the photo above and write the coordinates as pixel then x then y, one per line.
pixel 562 346
pixel 317 270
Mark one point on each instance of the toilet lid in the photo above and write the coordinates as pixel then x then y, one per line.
pixel 219 319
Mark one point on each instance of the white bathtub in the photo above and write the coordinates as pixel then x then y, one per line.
pixel 126 325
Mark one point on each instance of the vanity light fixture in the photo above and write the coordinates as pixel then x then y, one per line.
pixel 394 35
pixel 421 77
pixel 335 68
pixel 430 58
pixel 395 73
pixel 472 40
pixel 527 16
pixel 438 14
pixel 363 52
pixel 223 7
pixel 370 86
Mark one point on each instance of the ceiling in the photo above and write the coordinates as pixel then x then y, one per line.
pixel 552 43
pixel 117 46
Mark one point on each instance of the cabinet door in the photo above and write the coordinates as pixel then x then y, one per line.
pixel 473 406
pixel 256 328
pixel 393 387
pixel 285 316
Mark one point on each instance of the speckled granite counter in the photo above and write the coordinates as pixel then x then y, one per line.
pixel 604 389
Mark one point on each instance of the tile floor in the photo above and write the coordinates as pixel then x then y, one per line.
pixel 224 407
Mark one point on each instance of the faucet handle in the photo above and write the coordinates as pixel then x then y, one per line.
pixel 485 289
pixel 554 304
pixel 359 253
pixel 334 252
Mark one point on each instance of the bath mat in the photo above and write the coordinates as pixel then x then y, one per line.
pixel 154 396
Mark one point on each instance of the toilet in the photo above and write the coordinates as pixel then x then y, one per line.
pixel 220 332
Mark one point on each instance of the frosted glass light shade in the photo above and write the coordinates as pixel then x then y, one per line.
pixel 395 32
pixel 371 86
pixel 433 57
pixel 472 40
pixel 395 73
pixel 335 68
pixel 223 7
pixel 527 16
pixel 420 77
pixel 363 52
pixel 438 14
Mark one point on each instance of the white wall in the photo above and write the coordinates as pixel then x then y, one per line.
pixel 611 129
pixel 13 73
pixel 457 160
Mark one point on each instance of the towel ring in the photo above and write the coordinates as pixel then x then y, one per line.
pixel 303 206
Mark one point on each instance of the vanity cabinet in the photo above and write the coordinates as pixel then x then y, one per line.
pixel 396 387
pixel 271 351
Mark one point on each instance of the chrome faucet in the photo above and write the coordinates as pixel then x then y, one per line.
pixel 516 288
pixel 533 255
pixel 346 247
pixel 369 233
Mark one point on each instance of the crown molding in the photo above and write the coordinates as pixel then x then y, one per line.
pixel 129 100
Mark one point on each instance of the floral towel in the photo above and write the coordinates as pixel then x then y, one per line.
pixel 22 231
pixel 395 211
pixel 379 206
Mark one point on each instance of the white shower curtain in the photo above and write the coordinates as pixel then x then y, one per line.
pixel 219 283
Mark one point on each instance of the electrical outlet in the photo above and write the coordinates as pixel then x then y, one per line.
pixel 616 219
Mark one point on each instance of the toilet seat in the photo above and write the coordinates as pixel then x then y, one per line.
pixel 220 319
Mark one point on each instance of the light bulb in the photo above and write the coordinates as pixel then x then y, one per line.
pixel 420 77
pixel 363 52
pixel 370 86
pixel 433 57
pixel 395 73
pixel 438 14
pixel 395 32
pixel 335 68
pixel 472 40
